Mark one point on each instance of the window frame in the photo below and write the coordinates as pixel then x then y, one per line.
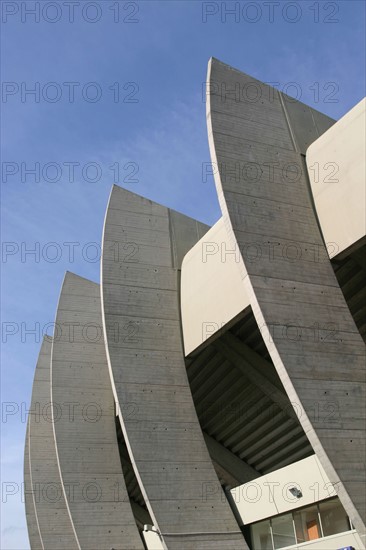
pixel 293 523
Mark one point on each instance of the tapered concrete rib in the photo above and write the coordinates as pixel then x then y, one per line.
pixel 84 424
pixel 52 517
pixel 160 425
pixel 30 511
pixel 314 343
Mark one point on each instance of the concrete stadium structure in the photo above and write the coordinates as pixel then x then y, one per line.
pixel 210 393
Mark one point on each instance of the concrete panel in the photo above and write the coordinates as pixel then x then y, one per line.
pixel 35 542
pixel 53 519
pixel 84 424
pixel 305 123
pixel 159 420
pixel 337 166
pixel 183 235
pixel 269 495
pixel 212 293
pixel 311 330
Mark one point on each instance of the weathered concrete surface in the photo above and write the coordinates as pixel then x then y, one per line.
pixel 160 425
pixel 312 338
pixel 54 524
pixel 84 424
pixel 30 511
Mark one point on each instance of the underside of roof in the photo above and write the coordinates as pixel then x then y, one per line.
pixel 242 406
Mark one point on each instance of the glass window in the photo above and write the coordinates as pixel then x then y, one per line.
pixel 261 536
pixel 283 531
pixel 307 525
pixel 334 518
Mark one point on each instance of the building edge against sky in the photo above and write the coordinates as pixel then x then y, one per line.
pixel 217 374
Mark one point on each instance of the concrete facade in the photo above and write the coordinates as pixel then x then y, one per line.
pixel 277 214
pixel 85 432
pixel 159 421
pixel 209 361
pixel 55 529
pixel 30 510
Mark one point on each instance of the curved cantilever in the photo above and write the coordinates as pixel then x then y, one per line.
pixel 30 510
pixel 84 424
pixel 257 138
pixel 49 514
pixel 142 248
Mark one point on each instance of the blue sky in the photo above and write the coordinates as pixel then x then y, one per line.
pixel 160 62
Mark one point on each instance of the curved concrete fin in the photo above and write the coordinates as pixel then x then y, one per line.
pixel 142 322
pixel 84 423
pixel 55 529
pixel 266 204
pixel 30 511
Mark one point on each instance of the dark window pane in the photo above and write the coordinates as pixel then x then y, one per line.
pixel 261 536
pixel 334 518
pixel 307 524
pixel 283 531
